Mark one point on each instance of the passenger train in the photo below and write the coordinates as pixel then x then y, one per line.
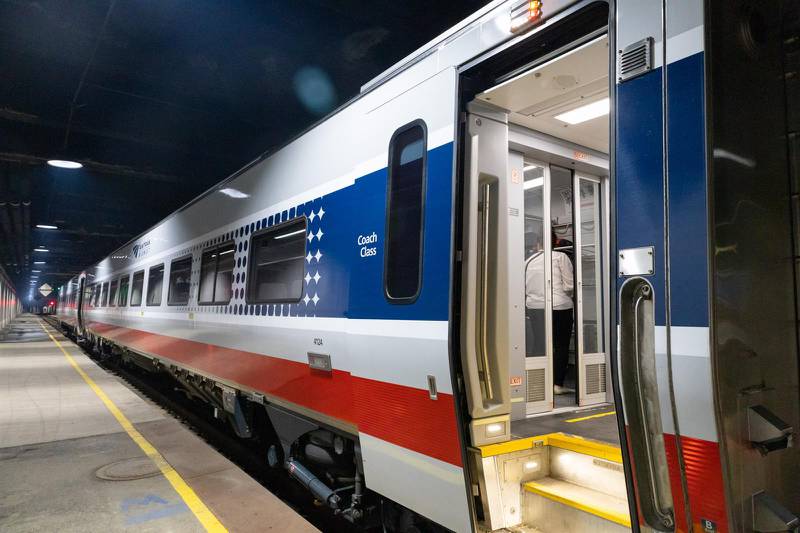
pixel 365 298
pixel 10 305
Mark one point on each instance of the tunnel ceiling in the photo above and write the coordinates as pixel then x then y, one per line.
pixel 161 100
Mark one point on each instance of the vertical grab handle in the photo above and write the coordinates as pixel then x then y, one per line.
pixel 638 376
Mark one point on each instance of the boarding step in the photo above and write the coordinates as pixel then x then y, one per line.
pixel 554 483
pixel 552 505
pixel 584 489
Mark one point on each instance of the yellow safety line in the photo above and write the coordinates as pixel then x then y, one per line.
pixel 608 514
pixel 599 415
pixel 203 514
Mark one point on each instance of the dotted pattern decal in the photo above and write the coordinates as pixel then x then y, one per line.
pixel 315 214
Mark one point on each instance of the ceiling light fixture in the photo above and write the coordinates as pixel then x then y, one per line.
pixel 234 193
pixel 532 184
pixel 41 250
pixel 46 226
pixel 39 262
pixel 62 163
pixel 585 112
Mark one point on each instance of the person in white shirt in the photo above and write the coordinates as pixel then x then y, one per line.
pixel 563 288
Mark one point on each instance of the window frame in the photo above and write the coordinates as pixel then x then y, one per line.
pixel 119 291
pixel 104 297
pixel 229 243
pixel 146 294
pixel 141 295
pixel 169 280
pixel 406 300
pixel 112 302
pixel 251 264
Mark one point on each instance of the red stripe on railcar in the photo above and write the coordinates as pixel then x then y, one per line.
pixel 402 415
pixel 704 481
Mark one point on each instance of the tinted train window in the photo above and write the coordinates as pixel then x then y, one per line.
pixel 155 284
pixel 208 269
pixel 112 300
pixel 404 213
pixel 216 275
pixel 180 276
pixel 104 300
pixel 277 263
pixel 223 287
pixel 123 290
pixel 136 288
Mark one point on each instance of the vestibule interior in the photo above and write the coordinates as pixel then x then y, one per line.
pixel 558 145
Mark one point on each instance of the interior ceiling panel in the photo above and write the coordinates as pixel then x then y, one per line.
pixel 160 100
pixel 537 96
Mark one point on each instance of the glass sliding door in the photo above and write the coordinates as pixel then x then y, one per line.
pixel 538 353
pixel 589 291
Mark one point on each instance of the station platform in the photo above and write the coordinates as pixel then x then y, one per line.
pixel 81 451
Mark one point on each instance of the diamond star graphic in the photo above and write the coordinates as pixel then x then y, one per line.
pixel 315 299
pixel 310 236
pixel 318 255
pixel 308 257
pixel 307 278
pixel 319 234
pixel 306 299
pixel 321 212
pixel 312 216
pixel 316 277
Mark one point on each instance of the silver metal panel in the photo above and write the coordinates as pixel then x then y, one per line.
pixel 636 261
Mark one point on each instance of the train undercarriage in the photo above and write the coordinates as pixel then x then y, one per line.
pixel 324 460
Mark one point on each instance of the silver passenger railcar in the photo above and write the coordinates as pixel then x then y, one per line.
pixel 523 279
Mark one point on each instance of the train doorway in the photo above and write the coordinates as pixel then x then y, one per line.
pixel 536 298
pixel 565 258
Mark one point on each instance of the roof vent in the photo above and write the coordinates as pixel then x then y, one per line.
pixel 635 59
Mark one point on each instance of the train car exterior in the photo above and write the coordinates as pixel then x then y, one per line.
pixel 362 288
pixel 10 304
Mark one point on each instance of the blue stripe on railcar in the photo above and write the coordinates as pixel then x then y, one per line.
pixel 639 171
pixel 345 251
pixel 687 193
pixel 366 206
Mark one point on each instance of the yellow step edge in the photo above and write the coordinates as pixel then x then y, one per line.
pixel 598 449
pixel 607 514
pixel 573 443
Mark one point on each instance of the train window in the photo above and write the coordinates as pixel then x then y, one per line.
pixel 112 298
pixel 404 213
pixel 124 282
pixel 104 299
pixel 155 284
pixel 277 263
pixel 136 288
pixel 216 275
pixel 180 276
pixel 223 285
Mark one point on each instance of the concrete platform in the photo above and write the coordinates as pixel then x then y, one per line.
pixel 57 434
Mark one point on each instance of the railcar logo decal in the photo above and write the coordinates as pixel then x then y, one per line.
pixel 141 249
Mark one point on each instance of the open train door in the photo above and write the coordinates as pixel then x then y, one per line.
pixel 491 290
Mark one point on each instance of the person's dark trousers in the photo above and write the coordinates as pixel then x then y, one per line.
pixel 535 333
pixel 562 331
